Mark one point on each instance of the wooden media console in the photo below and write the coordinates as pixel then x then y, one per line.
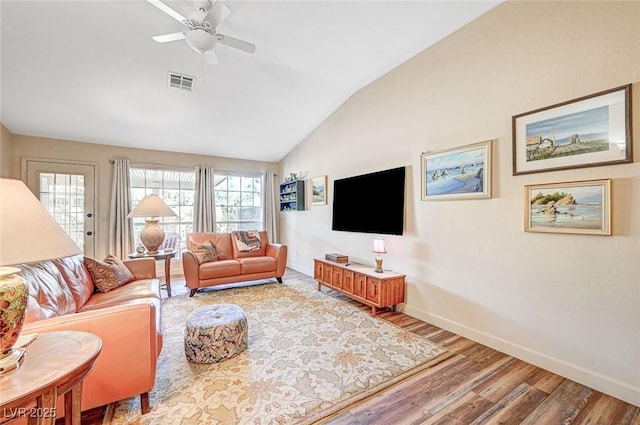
pixel 362 283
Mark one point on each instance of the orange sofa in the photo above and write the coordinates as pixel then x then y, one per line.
pixel 232 265
pixel 128 320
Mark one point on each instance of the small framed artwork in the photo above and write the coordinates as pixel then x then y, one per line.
pixel 460 173
pixel 582 207
pixel 584 132
pixel 319 190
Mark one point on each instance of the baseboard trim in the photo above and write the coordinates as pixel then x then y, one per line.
pixel 595 380
pixel 302 269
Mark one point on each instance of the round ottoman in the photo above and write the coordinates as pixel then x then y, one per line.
pixel 214 333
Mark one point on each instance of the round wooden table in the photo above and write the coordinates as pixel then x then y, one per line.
pixel 55 363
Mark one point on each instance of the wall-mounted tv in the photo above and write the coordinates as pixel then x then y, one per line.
pixel 370 203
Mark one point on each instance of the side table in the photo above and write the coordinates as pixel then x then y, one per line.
pixel 55 363
pixel 166 256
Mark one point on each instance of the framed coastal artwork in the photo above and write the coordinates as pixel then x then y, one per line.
pixel 460 173
pixel 319 190
pixel 584 132
pixel 582 207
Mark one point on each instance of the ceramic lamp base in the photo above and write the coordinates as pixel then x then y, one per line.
pixel 152 236
pixel 14 294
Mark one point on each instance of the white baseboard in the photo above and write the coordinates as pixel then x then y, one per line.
pixel 304 269
pixel 597 381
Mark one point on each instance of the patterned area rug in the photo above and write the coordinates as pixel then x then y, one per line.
pixel 309 356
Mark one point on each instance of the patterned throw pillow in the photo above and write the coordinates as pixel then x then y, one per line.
pixel 247 241
pixel 109 274
pixel 204 252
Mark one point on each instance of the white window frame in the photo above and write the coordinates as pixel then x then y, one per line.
pixel 240 193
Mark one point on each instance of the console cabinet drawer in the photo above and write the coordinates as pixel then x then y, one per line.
pixel 336 279
pixel 360 285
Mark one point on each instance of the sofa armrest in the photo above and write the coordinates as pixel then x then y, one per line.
pixel 190 267
pixel 279 252
pixel 142 268
pixel 131 343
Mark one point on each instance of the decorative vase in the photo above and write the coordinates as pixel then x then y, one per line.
pixel 14 295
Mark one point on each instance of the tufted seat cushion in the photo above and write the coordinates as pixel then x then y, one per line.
pixel 215 332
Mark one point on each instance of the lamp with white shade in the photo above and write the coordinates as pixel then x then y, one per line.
pixel 378 248
pixel 152 207
pixel 28 234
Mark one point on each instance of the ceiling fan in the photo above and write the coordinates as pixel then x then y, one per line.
pixel 201 35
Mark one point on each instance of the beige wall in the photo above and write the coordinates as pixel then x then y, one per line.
pixel 52 149
pixel 6 142
pixel 569 303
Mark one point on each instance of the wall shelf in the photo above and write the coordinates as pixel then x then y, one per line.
pixel 292 196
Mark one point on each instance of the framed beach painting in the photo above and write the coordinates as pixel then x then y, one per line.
pixel 460 173
pixel 582 207
pixel 319 190
pixel 584 132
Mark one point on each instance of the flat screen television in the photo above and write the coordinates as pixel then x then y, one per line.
pixel 370 203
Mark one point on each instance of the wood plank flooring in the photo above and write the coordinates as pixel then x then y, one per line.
pixel 475 386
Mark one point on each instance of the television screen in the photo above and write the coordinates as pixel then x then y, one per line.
pixel 370 203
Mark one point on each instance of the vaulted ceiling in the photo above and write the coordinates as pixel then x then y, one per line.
pixel 89 70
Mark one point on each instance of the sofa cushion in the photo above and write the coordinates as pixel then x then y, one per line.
pixel 249 243
pixel 257 264
pixel 139 289
pixel 75 273
pixel 220 268
pixel 109 274
pixel 49 295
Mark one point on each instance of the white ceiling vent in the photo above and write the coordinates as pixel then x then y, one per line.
pixel 179 81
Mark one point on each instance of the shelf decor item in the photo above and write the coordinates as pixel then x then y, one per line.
pixel 378 248
pixel 319 190
pixel 585 132
pixel 459 173
pixel 152 207
pixel 28 234
pixel 582 207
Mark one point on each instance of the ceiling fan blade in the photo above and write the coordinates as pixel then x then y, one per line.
pixel 169 37
pixel 212 57
pixel 218 13
pixel 234 42
pixel 169 11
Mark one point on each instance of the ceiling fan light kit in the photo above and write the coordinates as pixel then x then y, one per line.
pixel 201 35
pixel 200 41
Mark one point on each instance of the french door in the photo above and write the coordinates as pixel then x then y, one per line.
pixel 67 191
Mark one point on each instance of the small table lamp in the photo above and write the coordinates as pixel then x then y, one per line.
pixel 28 234
pixel 378 248
pixel 151 207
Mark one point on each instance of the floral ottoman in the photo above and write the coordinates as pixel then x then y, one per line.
pixel 214 333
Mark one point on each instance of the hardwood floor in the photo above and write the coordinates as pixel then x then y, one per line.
pixel 475 386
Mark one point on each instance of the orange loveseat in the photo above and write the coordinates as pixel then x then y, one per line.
pixel 127 319
pixel 232 265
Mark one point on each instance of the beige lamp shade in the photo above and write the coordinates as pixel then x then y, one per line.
pixel 378 246
pixel 152 206
pixel 28 233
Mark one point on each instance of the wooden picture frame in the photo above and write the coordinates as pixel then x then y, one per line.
pixel 319 190
pixel 459 173
pixel 581 207
pixel 585 132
